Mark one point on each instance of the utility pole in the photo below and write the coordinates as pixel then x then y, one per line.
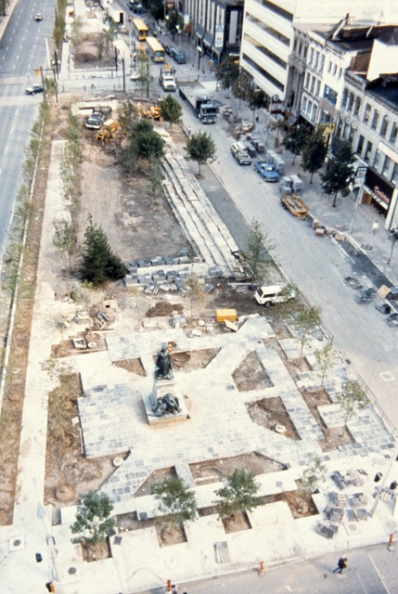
pixel 43 83
pixel 124 75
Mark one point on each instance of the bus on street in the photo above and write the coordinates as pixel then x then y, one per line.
pixel 141 30
pixel 154 49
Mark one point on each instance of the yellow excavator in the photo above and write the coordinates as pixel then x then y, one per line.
pixel 108 130
pixel 148 111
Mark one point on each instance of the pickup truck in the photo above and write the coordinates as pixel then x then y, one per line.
pixel 295 205
pixel 267 171
pixel 167 81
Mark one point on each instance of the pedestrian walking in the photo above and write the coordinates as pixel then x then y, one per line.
pixel 341 564
pixel 189 131
pixel 375 226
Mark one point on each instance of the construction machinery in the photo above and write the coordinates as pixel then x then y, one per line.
pixel 108 130
pixel 149 112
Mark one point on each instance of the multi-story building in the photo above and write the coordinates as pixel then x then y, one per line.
pixel 268 32
pixel 217 25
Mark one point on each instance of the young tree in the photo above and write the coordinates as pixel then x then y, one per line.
pixel 257 255
pixel 175 500
pixel 227 72
pixel 352 399
pixel 76 34
pixel 155 177
pixel 170 110
pixel 314 152
pixel 295 141
pixel 196 291
pixel 65 239
pixel 144 73
pixel 339 174
pixel 201 148
pixel 256 99
pixel 241 87
pixel 324 358
pixel 145 143
pixel 306 321
pixel 314 475
pixel 93 519
pixel 59 28
pixel 99 262
pixel 239 494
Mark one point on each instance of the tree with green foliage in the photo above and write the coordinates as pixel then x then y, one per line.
pixel 156 8
pixel 295 141
pixel 145 143
pixel 201 148
pixel 352 399
pixel 170 110
pixel 65 239
pixel 93 519
pixel 76 35
pixel 314 475
pixel 99 263
pixel 144 78
pixel 306 321
pixel 324 358
pixel 176 501
pixel 128 116
pixel 3 6
pixel 227 72
pixel 314 152
pixel 59 29
pixel 339 173
pixel 241 87
pixel 257 255
pixel 256 99
pixel 174 22
pixel 238 495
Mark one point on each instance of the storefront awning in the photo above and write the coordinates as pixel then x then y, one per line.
pixel 208 39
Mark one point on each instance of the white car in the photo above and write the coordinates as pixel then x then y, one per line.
pixel 38 17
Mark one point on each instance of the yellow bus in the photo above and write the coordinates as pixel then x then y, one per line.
pixel 154 49
pixel 141 30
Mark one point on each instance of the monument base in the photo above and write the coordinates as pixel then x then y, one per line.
pixel 163 388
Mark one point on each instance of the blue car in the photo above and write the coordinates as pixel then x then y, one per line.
pixel 180 57
pixel 267 171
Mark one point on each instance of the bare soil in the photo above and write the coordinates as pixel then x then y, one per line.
pixel 270 412
pixel 168 534
pixel 213 471
pixel 251 375
pixel 187 360
pixel 132 365
pixel 157 476
pixel 300 504
pixel 97 552
pixel 237 522
pixel 333 436
pixel 87 55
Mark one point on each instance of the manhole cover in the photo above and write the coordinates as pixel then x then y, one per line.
pixel 72 570
pixel 16 543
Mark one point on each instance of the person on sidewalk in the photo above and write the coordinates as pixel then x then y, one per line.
pixel 375 226
pixel 341 564
pixel 189 131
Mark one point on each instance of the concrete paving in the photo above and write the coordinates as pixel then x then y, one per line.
pixel 113 421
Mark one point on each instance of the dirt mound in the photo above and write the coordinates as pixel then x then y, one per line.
pixel 162 308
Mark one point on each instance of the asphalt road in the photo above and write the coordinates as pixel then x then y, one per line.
pixel 23 49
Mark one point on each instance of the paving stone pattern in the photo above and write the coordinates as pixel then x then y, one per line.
pixel 113 419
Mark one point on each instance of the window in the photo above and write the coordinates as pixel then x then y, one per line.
pixel 330 66
pixel 350 102
pixel 368 151
pixel 366 115
pixel 361 141
pixel 395 173
pixel 322 63
pixel 311 56
pixel 344 99
pixel 386 166
pixel 318 87
pixel 330 95
pixel 304 108
pixel 384 126
pixel 305 52
pixel 339 74
pixel 295 45
pixel 378 160
pixel 316 59
pixel 375 120
pixel 394 132
pixel 334 69
pixel 357 106
pixel 312 85
pixel 307 80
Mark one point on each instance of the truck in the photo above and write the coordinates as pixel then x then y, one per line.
pixel 202 105
pixel 167 81
pixel 295 205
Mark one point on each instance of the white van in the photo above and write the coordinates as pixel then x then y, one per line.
pixel 267 296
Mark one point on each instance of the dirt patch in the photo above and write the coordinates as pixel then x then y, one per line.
pixel 132 365
pixel 157 476
pixel 187 360
pixel 300 504
pixel 269 413
pixel 170 534
pixel 334 436
pixel 87 55
pixel 97 552
pixel 163 308
pixel 251 375
pixel 212 471
pixel 237 522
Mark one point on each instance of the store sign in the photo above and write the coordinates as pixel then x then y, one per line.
pixel 219 37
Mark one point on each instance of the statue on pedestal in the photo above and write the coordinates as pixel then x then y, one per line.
pixel 164 368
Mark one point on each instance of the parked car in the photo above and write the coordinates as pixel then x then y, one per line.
pixel 180 57
pixel 238 150
pixel 38 17
pixel 171 50
pixel 267 171
pixel 392 320
pixel 34 89
pixel 94 121
pixel 272 294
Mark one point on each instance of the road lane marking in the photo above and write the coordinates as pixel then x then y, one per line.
pixel 6 150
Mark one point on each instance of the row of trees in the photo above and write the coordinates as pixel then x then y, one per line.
pixel 313 149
